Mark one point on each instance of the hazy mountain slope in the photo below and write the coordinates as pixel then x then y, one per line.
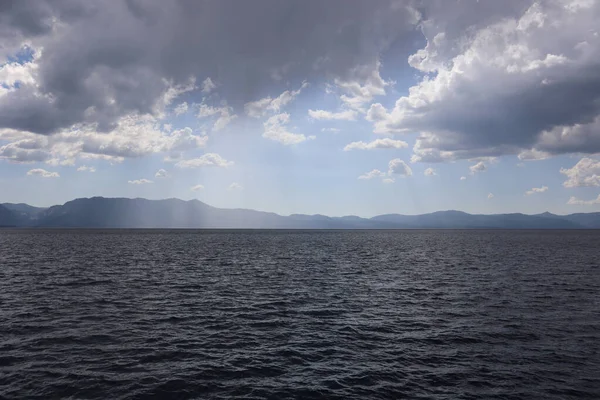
pixel 99 212
pixel 24 208
pixel 585 220
pixel 27 215
pixel 8 217
pixel 459 219
pixel 588 220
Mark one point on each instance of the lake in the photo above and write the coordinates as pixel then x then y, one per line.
pixel 444 314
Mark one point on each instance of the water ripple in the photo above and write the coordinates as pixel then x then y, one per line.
pixel 298 314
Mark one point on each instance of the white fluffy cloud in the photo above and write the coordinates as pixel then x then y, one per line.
pixel 140 182
pixel 161 173
pixel 430 172
pixel 206 160
pixel 372 174
pixel 14 73
pixel 197 188
pixel 386 143
pixel 479 167
pixel 208 86
pixel 396 167
pixel 225 115
pixel 533 155
pixel 133 137
pixel 575 201
pixel 181 108
pixel 235 186
pixel 85 168
pixel 500 88
pixel 585 173
pixel 67 162
pixel 333 130
pixel 399 167
pixel 43 173
pixel 347 115
pixel 490 196
pixel 275 129
pixel 536 190
pixel 259 108
pixel 463 178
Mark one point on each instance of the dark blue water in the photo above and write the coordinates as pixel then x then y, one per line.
pixel 305 314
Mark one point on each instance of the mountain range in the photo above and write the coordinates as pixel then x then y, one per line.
pixel 100 212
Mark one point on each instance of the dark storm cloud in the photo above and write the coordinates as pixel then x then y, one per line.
pixel 24 17
pixel 103 60
pixel 517 118
pixel 21 19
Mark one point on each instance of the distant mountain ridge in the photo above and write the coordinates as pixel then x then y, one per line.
pixel 100 212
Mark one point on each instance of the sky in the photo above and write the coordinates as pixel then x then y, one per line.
pixel 339 107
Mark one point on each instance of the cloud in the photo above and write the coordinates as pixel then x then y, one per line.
pixel 399 167
pixel 133 137
pixel 208 86
pixel 585 173
pixel 372 174
pixel 479 167
pixel 347 115
pixel 521 79
pixel 14 73
pixel 161 173
pixel 533 155
pixel 140 182
pixel 43 173
pixel 463 178
pixel 235 186
pixel 197 188
pixel 225 115
pixel 430 172
pixel 494 77
pixel 334 130
pixel 25 151
pixel 395 167
pixel 275 130
pixel 206 160
pixel 67 162
pixel 575 201
pixel 87 73
pixel 85 168
pixel 181 108
pixel 362 87
pixel 536 190
pixel 490 196
pixel 259 108
pixel 578 138
pixel 376 144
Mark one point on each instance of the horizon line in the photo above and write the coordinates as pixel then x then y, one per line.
pixel 293 214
